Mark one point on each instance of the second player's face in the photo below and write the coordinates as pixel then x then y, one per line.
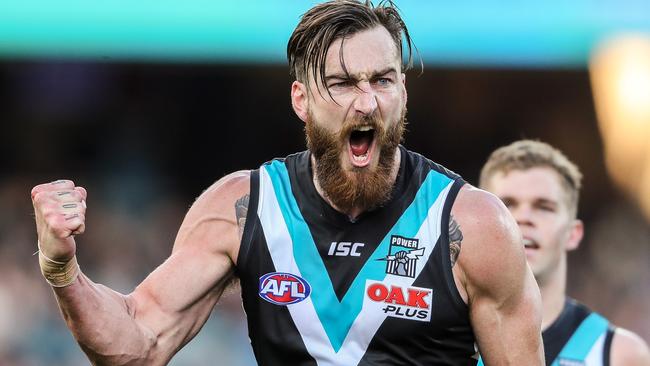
pixel 538 202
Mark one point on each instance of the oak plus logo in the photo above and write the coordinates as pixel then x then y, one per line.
pixel 402 256
pixel 281 288
pixel 406 302
pixel 345 248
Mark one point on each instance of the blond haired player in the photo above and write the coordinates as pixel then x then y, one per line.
pixel 540 187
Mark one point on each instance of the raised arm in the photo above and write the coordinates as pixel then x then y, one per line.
pixel 148 326
pixel 492 275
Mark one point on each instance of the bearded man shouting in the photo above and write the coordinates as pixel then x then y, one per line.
pixel 354 252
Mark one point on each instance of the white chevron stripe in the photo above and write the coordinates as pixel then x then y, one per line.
pixel 595 355
pixel 281 249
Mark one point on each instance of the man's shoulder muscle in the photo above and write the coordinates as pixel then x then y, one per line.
pixel 214 219
pixel 491 237
pixel 487 225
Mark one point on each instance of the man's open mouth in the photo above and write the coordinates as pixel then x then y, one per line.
pixel 530 244
pixel 362 144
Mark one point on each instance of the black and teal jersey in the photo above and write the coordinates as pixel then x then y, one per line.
pixel 320 289
pixel 578 337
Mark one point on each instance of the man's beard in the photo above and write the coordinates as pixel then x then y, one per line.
pixel 364 188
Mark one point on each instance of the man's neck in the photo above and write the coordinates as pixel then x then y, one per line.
pixel 354 212
pixel 553 290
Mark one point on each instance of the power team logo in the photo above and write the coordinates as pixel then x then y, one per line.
pixel 410 302
pixel 281 288
pixel 402 256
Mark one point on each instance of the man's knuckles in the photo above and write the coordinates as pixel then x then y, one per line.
pixel 62 227
pixel 39 198
pixel 77 217
pixel 82 192
pixel 61 184
pixel 57 185
pixel 79 228
pixel 63 199
pixel 68 196
pixel 55 217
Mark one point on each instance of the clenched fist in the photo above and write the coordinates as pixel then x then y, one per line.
pixel 60 210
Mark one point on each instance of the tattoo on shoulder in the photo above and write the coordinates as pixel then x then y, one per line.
pixel 455 239
pixel 241 210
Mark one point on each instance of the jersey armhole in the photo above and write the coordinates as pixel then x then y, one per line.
pixel 251 223
pixel 608 345
pixel 452 289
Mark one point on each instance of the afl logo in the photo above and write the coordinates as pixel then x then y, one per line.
pixel 281 288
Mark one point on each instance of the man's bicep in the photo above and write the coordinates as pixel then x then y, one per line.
pixel 186 280
pixel 509 333
pixel 207 243
pixel 175 300
pixel 503 298
pixel 506 316
pixel 500 298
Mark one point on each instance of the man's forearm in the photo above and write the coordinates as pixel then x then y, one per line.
pixel 103 322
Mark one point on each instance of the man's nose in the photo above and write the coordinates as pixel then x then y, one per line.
pixel 366 101
pixel 523 215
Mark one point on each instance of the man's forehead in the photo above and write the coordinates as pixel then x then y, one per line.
pixel 533 183
pixel 366 52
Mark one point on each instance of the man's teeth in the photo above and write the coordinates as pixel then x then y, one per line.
pixel 363 128
pixel 360 158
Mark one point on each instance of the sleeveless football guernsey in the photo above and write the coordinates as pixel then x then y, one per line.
pixel 320 289
pixel 578 337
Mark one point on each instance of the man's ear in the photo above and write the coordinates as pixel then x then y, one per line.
pixel 576 232
pixel 300 100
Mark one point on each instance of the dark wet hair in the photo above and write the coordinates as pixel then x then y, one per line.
pixel 329 21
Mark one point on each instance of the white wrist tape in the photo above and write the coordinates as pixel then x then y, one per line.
pixel 58 274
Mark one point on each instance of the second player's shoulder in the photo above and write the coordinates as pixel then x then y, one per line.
pixel 628 349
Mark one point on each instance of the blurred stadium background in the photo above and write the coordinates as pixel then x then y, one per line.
pixel 147 103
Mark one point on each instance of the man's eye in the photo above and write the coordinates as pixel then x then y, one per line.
pixel 383 81
pixel 341 84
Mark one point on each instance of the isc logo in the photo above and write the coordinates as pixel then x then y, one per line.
pixel 345 248
pixel 283 288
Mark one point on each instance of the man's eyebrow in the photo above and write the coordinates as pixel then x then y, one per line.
pixel 383 72
pixel 336 76
pixel 375 74
pixel 542 200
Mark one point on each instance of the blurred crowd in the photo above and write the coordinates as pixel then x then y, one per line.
pixel 121 246
pixel 144 140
